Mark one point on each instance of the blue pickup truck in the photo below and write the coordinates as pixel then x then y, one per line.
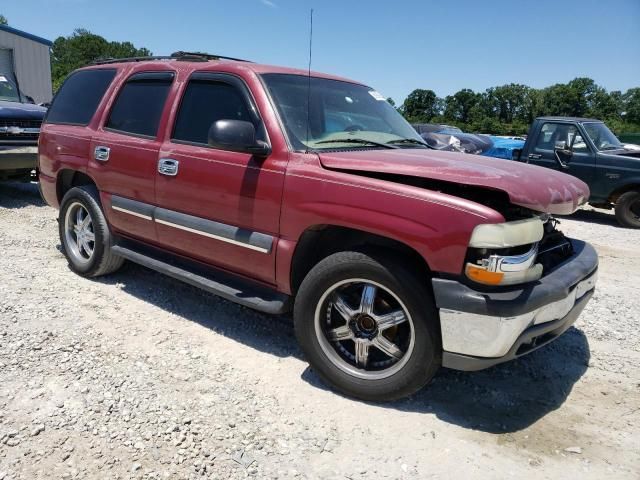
pixel 20 123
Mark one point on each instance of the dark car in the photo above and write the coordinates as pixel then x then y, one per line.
pixel 588 150
pixel 20 122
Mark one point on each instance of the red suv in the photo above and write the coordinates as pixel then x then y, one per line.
pixel 284 191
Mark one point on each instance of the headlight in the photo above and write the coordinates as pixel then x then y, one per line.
pixel 505 253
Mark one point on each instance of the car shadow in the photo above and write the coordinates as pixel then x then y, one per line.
pixel 20 195
pixel 505 398
pixel 593 216
pixel 270 334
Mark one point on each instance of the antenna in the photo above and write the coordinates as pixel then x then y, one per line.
pixel 309 81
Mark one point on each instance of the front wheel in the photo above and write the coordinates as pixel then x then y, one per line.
pixel 368 326
pixel 628 209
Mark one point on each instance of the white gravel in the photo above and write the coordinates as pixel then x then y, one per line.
pixel 139 376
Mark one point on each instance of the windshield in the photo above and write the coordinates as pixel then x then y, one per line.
pixel 601 136
pixel 341 115
pixel 8 90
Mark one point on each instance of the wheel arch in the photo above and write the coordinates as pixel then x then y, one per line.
pixel 319 241
pixel 69 178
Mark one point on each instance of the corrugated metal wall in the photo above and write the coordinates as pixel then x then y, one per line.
pixel 32 65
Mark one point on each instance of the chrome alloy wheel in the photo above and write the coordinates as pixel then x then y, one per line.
pixel 80 238
pixel 364 329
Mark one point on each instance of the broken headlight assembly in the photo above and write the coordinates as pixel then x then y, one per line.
pixel 505 253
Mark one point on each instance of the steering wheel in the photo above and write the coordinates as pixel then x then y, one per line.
pixel 353 128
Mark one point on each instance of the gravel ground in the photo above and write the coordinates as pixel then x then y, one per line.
pixel 139 376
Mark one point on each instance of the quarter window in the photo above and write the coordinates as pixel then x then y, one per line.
pixel 140 102
pixel 204 103
pixel 79 96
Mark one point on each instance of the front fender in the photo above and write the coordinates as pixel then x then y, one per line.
pixel 436 225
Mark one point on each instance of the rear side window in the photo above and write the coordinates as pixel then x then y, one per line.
pixel 205 102
pixel 139 105
pixel 79 96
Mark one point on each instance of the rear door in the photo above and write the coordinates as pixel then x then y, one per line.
pixel 124 152
pixel 220 207
pixel 581 159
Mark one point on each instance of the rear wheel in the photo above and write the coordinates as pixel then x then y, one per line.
pixel 368 326
pixel 628 209
pixel 85 235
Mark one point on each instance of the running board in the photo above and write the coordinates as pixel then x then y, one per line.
pixel 223 284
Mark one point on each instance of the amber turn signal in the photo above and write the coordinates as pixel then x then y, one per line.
pixel 481 275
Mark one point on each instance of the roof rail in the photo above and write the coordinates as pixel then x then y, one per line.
pixel 178 56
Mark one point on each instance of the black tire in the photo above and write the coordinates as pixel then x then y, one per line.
pixel 628 209
pixel 395 277
pixel 102 260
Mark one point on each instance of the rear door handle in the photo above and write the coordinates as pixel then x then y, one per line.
pixel 101 153
pixel 168 166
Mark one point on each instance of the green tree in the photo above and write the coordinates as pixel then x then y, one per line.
pixel 83 47
pixel 421 106
pixel 3 20
pixel 631 100
pixel 458 107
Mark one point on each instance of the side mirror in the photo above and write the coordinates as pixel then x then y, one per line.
pixel 561 149
pixel 561 145
pixel 237 136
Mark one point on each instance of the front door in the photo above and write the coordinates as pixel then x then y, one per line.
pixel 125 153
pixel 219 207
pixel 577 157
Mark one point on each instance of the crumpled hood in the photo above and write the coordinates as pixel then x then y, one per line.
pixel 536 188
pixel 21 111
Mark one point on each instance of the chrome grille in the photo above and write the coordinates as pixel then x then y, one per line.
pixel 16 130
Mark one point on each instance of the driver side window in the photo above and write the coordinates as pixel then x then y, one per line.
pixel 552 133
pixel 203 103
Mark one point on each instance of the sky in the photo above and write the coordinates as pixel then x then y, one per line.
pixel 393 46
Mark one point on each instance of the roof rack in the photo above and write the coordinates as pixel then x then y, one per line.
pixel 179 56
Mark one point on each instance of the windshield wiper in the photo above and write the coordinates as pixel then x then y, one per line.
pixel 360 141
pixel 409 140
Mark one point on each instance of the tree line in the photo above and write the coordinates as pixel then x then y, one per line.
pixel 510 109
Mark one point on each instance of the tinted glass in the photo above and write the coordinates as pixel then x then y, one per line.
pixel 140 103
pixel 79 96
pixel 203 103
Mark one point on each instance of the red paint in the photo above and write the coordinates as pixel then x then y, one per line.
pixel 287 193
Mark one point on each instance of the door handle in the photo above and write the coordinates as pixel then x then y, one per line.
pixel 101 153
pixel 168 166
pixel 534 156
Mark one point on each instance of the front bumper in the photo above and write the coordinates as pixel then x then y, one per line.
pixel 484 328
pixel 18 157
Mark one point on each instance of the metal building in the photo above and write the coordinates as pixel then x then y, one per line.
pixel 27 58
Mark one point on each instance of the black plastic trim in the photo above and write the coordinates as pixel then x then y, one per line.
pixel 221 283
pixel 551 331
pixel 132 206
pixel 518 299
pixel 237 234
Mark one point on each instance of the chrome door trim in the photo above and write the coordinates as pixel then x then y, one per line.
pixel 135 214
pixel 241 237
pixel 215 237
